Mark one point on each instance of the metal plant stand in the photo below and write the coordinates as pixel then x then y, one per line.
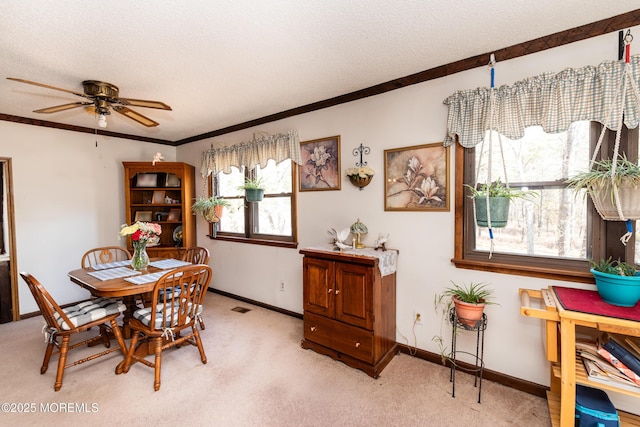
pixel 475 367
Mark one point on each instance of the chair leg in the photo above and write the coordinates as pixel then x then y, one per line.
pixel 201 323
pixel 47 356
pixel 104 333
pixel 158 362
pixel 64 349
pixel 196 334
pixel 132 348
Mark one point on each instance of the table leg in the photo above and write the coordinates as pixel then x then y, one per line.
pixel 568 368
pixel 130 302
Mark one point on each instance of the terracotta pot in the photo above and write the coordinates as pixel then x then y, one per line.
pixel 468 314
pixel 215 214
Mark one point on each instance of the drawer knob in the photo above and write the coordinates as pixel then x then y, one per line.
pixel 337 291
pixel 330 290
pixel 357 344
pixel 313 329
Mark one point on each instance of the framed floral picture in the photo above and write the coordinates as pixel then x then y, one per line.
pixel 320 168
pixel 417 178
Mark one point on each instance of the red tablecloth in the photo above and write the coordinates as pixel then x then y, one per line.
pixel 586 301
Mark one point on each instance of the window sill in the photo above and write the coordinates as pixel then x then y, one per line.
pixel 529 271
pixel 276 243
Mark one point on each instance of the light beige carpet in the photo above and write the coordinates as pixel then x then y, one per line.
pixel 257 374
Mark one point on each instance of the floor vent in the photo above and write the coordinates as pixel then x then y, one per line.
pixel 241 309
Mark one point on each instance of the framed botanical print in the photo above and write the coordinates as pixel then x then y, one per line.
pixel 417 178
pixel 320 168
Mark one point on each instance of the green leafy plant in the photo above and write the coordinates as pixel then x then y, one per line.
pixel 601 173
pixel 615 267
pixel 498 188
pixel 202 205
pixel 252 183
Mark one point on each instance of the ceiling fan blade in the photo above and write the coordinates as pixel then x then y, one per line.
pixel 62 107
pixel 47 86
pixel 135 116
pixel 144 103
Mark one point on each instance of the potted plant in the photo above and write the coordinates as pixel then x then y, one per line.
pixel 618 282
pixel 599 184
pixel 500 196
pixel 210 207
pixel 253 188
pixel 469 301
pixel 474 296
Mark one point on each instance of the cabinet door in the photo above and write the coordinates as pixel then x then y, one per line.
pixel 354 289
pixel 319 286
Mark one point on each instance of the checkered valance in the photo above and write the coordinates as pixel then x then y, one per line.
pixel 550 100
pixel 278 147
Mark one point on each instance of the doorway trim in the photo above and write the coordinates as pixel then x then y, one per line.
pixel 11 231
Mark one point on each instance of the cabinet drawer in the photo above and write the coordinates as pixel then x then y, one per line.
pixel 347 339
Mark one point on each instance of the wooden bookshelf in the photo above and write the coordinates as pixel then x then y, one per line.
pixel 164 192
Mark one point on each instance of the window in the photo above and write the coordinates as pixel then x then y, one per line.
pixel 271 221
pixel 555 233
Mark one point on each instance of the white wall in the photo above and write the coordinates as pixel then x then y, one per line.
pixel 69 197
pixel 409 116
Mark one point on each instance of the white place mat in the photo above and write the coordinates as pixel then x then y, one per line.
pixel 165 264
pixel 113 273
pixel 111 265
pixel 147 278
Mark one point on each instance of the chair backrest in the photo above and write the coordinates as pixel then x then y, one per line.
pixel 46 303
pixel 179 294
pixel 196 255
pixel 104 255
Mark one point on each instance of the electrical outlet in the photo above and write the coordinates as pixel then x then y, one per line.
pixel 417 317
pixel 282 288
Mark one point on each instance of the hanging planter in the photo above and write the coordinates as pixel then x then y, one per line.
pixel 359 180
pixel 253 189
pixel 499 210
pixel 210 208
pixel 500 196
pixel 254 194
pixel 598 183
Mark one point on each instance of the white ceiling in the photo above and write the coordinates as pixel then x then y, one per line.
pixel 219 63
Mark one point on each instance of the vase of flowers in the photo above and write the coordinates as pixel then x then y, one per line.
pixel 141 233
pixel 360 177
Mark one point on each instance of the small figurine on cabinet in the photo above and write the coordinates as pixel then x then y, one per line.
pixel 381 242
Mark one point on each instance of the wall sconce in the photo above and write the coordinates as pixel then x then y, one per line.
pixel 361 175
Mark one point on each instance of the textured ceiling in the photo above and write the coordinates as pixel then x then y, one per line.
pixel 219 63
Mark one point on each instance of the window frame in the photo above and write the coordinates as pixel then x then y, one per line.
pixel 251 211
pixel 604 235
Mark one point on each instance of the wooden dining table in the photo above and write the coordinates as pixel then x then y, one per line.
pixel 118 288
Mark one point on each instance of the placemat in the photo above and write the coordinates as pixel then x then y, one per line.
pixel 148 278
pixel 113 273
pixel 586 301
pixel 111 265
pixel 165 264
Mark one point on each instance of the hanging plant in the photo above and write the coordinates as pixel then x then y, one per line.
pixel 253 189
pixel 600 183
pixel 210 207
pixel 500 196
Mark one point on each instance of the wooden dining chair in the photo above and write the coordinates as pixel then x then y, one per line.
pixel 196 255
pixel 104 255
pixel 61 323
pixel 177 298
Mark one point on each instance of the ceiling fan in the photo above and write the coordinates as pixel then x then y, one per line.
pixel 102 97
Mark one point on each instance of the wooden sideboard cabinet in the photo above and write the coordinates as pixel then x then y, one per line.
pixel 349 308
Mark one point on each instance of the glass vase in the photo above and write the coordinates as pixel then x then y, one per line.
pixel 140 259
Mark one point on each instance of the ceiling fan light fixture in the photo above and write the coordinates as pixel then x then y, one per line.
pixel 102 121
